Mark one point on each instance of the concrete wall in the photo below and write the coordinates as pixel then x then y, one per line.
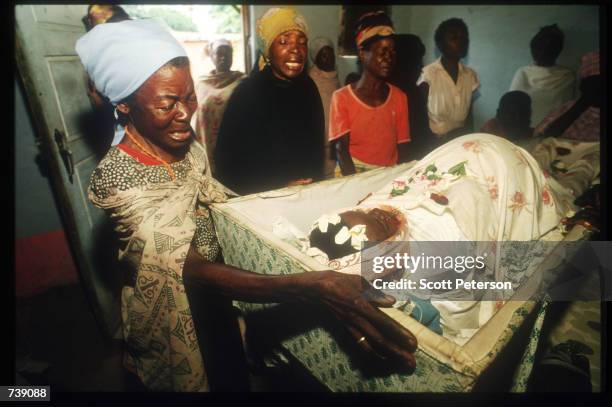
pixel 499 38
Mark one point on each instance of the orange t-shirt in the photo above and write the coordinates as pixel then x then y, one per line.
pixel 375 131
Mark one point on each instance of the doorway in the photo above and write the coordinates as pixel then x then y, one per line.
pixel 195 26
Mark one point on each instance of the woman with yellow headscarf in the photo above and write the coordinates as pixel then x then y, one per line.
pixel 271 135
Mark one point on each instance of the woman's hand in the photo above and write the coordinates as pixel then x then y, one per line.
pixel 349 297
pixel 354 302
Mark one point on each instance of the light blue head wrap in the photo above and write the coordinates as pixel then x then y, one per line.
pixel 120 57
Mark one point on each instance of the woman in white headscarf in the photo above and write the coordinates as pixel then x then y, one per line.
pixel 213 90
pixel 156 187
pixel 323 73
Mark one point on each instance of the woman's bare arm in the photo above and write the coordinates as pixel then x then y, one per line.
pixel 349 297
pixel 341 145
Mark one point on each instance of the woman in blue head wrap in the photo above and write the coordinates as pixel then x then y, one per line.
pixel 156 187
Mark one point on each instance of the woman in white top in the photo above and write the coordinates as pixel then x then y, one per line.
pixel 548 84
pixel 448 85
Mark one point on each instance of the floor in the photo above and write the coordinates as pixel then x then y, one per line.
pixel 579 322
pixel 58 344
pixel 66 351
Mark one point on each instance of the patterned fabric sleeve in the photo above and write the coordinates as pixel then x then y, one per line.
pixel 114 173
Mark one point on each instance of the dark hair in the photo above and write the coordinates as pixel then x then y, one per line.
pixel 326 243
pixel 409 50
pixel 351 77
pixel 515 98
pixel 514 111
pixel 86 22
pixel 445 26
pixel 178 62
pixel 119 14
pixel 547 44
pixel 371 19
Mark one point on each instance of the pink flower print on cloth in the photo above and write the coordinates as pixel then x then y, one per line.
pixel 546 197
pixel 518 202
pixel 399 188
pixel 473 146
pixel 493 188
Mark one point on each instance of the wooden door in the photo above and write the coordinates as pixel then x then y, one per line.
pixel 53 79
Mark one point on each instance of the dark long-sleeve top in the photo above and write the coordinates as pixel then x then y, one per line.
pixel 271 133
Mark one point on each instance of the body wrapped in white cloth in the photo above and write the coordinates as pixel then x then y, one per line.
pixel 477 187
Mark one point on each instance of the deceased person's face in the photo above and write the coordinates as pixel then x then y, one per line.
pixel 380 224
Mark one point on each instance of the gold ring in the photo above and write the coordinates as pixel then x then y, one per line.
pixel 363 338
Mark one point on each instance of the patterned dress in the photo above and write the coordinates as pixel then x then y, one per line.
pixel 584 128
pixel 157 220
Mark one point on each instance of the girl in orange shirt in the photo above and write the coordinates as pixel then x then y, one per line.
pixel 369 118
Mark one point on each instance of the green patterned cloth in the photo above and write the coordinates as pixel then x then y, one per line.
pixel 319 352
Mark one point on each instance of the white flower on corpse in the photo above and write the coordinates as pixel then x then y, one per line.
pixel 323 222
pixel 357 234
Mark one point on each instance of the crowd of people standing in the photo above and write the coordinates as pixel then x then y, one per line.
pixel 282 125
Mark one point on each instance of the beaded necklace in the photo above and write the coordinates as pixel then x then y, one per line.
pixel 150 154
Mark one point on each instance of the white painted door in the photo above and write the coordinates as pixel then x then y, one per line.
pixel 53 78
